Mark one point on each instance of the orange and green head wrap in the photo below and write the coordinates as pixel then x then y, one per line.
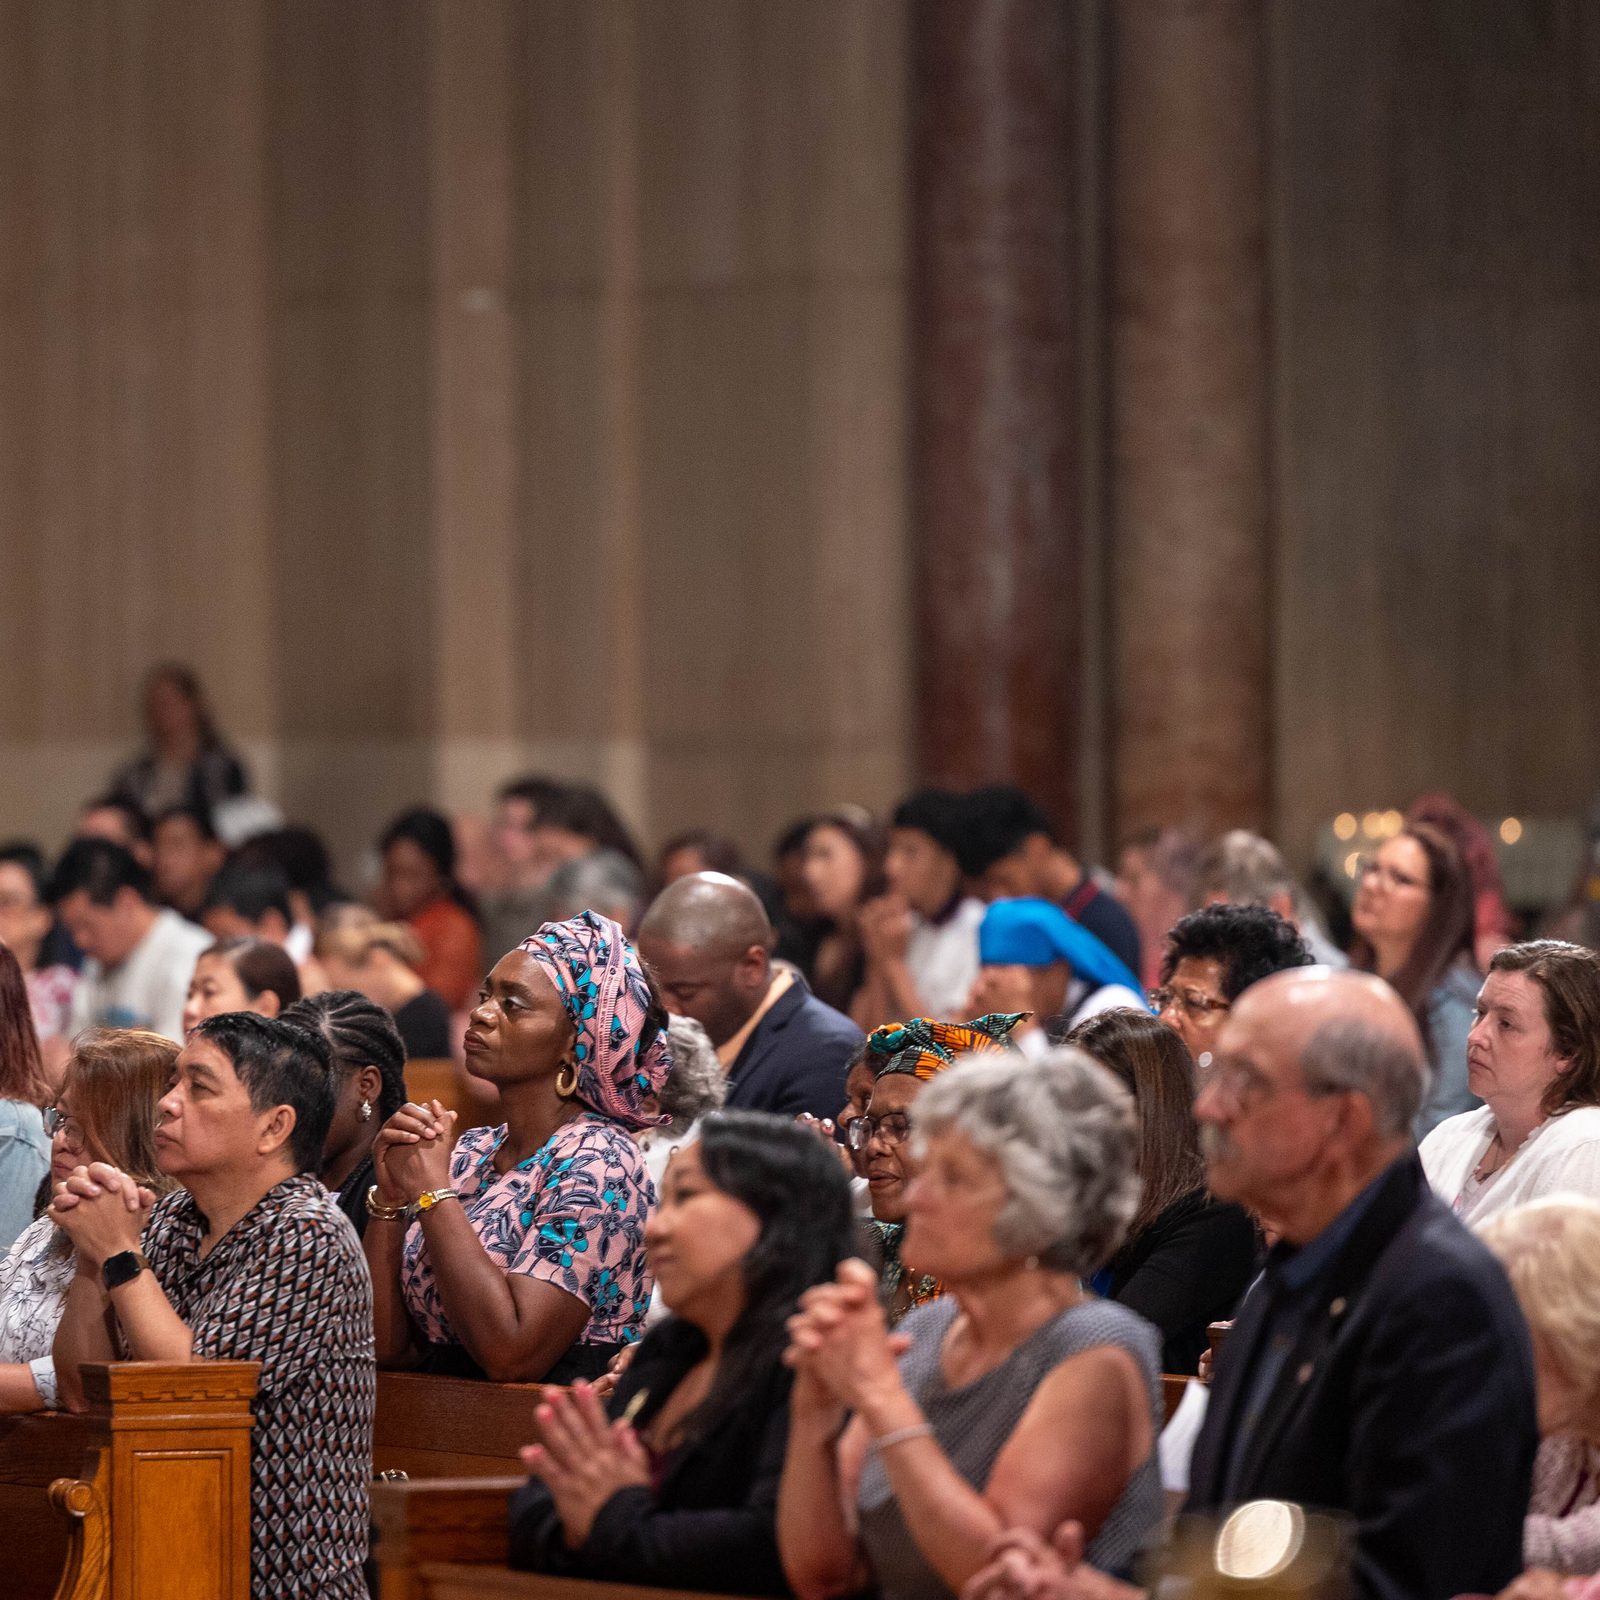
pixel 924 1047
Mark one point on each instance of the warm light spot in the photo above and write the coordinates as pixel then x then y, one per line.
pixel 1352 864
pixel 1510 830
pixel 1393 822
pixel 1372 824
pixel 1344 825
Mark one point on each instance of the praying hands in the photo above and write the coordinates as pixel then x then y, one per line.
pixel 411 1153
pixel 102 1210
pixel 584 1459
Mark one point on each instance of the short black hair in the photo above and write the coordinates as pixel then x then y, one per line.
pixel 279 1064
pixel 430 832
pixel 100 867
pixel 999 820
pixel 251 889
pixel 537 790
pixel 939 813
pixel 200 816
pixel 1249 942
pixel 28 856
pixel 300 854
pixel 138 819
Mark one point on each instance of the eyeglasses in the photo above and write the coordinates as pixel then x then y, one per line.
pixel 1247 1086
pixel 1196 1007
pixel 893 1129
pixel 57 1121
pixel 1373 868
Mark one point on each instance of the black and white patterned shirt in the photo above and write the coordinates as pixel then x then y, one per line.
pixel 288 1286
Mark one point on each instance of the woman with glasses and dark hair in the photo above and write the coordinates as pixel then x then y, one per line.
pixel 1413 917
pixel 106 1112
pixel 905 1056
pixel 675 1482
pixel 1213 955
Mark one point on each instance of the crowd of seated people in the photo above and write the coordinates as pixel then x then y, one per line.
pixel 851 1211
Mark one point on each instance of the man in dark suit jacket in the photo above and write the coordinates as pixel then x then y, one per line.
pixel 708 942
pixel 1380 1367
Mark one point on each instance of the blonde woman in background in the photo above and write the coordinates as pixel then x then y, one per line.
pixel 1551 1252
pixel 381 961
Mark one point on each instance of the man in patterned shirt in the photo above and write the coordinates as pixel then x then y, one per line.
pixel 249 1261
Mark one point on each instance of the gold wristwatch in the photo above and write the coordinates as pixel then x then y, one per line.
pixel 429 1198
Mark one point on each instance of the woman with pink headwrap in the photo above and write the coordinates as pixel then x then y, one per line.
pixel 518 1254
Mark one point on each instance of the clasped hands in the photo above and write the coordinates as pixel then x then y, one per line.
pixel 841 1350
pixel 583 1458
pixel 101 1210
pixel 411 1153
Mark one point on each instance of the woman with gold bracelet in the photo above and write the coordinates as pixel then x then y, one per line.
pixel 518 1254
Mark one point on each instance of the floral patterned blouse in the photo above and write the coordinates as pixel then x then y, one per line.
pixel 34 1280
pixel 572 1214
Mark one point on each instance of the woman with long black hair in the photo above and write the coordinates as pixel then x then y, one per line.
pixel 678 1485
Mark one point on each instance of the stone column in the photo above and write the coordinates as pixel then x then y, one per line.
pixel 1190 471
pixel 993 493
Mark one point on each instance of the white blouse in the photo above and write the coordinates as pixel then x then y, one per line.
pixel 34 1279
pixel 1560 1156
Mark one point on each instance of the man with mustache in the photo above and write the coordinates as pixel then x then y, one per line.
pixel 1379 1367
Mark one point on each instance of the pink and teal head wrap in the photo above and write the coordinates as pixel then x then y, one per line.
pixel 607 998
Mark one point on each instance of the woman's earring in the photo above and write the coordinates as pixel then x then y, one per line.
pixel 567 1080
pixel 366 1111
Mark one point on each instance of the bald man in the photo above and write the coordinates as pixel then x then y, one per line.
pixel 1380 1366
pixel 707 939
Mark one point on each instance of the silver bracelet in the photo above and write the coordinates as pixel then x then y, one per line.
pixel 919 1430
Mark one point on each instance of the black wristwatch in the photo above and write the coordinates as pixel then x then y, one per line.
pixel 122 1268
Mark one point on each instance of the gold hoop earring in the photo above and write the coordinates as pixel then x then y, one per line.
pixel 567 1080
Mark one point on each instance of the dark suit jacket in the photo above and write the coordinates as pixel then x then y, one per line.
pixel 796 1059
pixel 1407 1403
pixel 710 1523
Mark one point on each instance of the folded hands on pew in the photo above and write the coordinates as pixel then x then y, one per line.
pixel 584 1458
pixel 102 1210
pixel 1023 1566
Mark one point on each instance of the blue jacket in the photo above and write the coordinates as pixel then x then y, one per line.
pixel 796 1058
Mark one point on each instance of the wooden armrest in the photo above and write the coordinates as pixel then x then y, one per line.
pixel 432 1427
pixel 442 1519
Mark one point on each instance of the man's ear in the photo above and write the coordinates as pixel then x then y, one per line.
pixel 753 965
pixel 276 1128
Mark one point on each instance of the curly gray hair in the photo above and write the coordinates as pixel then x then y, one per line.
pixel 695 1081
pixel 1064 1135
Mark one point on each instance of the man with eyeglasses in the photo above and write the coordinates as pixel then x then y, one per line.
pixel 1212 957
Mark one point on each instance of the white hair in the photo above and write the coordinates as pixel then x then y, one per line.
pixel 1064 1135
pixel 695 1081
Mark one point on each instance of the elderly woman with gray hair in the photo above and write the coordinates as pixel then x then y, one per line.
pixel 1018 1398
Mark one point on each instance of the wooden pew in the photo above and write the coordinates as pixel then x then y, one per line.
pixel 446 1540
pixel 476 1103
pixel 429 1427
pixel 146 1496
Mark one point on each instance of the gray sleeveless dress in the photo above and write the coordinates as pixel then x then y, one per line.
pixel 972 1424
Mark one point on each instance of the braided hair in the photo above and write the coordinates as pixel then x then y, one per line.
pixel 359 1033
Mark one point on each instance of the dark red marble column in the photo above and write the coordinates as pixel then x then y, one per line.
pixel 1190 467
pixel 994 409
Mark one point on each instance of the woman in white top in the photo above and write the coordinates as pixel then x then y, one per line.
pixel 1533 1056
